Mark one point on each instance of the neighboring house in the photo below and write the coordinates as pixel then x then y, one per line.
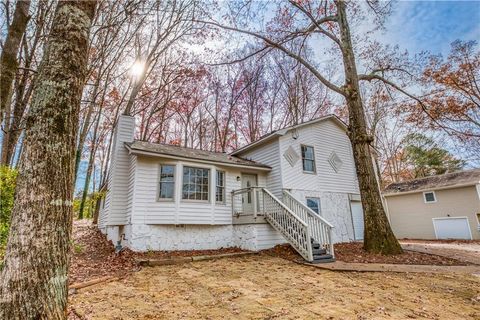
pixel 439 207
pixel 297 184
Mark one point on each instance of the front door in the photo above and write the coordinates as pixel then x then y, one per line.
pixel 248 180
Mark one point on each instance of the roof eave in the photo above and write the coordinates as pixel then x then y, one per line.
pixel 284 131
pixel 257 143
pixel 169 156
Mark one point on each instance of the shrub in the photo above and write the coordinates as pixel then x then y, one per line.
pixel 8 177
pixel 90 204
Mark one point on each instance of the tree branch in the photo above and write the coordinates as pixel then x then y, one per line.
pixel 317 23
pixel 278 46
pixel 371 77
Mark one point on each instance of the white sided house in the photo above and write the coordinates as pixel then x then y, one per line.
pixel 295 185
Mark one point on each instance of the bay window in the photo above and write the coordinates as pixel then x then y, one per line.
pixel 167 182
pixel 220 187
pixel 195 183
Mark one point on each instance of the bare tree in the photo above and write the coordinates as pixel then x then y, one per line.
pixel 170 21
pixel 29 57
pixel 34 281
pixel 8 58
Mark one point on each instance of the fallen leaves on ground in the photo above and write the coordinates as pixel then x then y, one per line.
pixel 93 256
pixel 353 252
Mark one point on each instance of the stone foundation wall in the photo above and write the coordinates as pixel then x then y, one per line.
pixel 141 237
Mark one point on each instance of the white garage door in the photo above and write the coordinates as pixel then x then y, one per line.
pixel 452 228
pixel 357 217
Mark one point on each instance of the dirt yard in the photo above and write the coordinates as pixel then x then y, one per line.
pixel 266 287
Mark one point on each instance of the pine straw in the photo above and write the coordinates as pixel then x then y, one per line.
pixel 353 252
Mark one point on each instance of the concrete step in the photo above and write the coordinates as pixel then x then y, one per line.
pixel 323 261
pixel 324 258
pixel 319 251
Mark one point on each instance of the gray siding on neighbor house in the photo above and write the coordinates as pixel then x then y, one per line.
pixel 148 209
pixel 326 137
pixel 268 153
pixel 410 217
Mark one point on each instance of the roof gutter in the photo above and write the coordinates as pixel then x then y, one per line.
pixel 168 156
pixel 467 184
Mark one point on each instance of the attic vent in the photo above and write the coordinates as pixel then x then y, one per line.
pixel 335 161
pixel 291 156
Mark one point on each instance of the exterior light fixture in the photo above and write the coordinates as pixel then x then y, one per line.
pixel 295 134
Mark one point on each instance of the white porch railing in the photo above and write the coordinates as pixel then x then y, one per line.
pixel 293 228
pixel 260 201
pixel 319 228
pixel 247 201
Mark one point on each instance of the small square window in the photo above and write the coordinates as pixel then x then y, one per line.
pixel 314 204
pixel 429 197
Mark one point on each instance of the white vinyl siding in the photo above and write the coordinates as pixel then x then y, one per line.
pixel 150 211
pixel 268 153
pixel 267 237
pixel 122 168
pixel 131 183
pixel 325 137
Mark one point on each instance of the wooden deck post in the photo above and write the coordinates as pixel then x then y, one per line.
pixel 254 201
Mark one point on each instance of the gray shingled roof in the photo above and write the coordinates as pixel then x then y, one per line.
pixel 434 182
pixel 190 153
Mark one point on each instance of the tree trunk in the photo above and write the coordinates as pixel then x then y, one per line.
pixel 378 237
pixel 8 58
pixel 34 280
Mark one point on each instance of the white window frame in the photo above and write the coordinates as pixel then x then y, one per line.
pixel 160 181
pixel 425 198
pixel 319 202
pixel 314 162
pixel 224 187
pixel 209 196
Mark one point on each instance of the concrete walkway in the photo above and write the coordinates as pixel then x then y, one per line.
pixel 465 252
pixel 379 267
